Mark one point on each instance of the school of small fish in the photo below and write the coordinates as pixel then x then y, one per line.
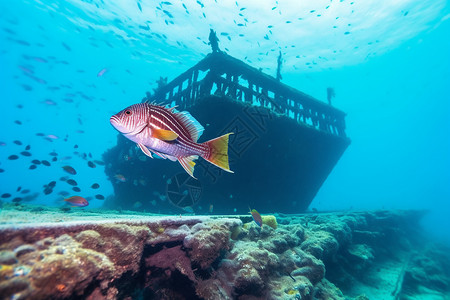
pixel 26 195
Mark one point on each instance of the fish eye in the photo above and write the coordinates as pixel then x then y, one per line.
pixel 128 112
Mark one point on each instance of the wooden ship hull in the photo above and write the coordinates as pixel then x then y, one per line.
pixel 285 144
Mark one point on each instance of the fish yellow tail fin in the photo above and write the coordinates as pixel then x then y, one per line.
pixel 219 152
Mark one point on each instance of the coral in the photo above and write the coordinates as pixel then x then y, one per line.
pixel 313 256
pixel 270 220
pixel 309 266
pixel 7 257
pixel 24 249
pixel 206 245
pixel 66 256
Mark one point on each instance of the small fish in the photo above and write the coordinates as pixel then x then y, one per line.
pixel 54 159
pixel 95 186
pixel 6 195
pixel 28 147
pixel 102 71
pixel 99 197
pixel 63 193
pixel 32 167
pixel 70 170
pixel 72 182
pixel 36 161
pixel 99 162
pixel 48 190
pixel 53 153
pixel 25 153
pixel 13 157
pixel 76 189
pixel 120 177
pixel 91 164
pixel 49 102
pixel 256 217
pixel 66 46
pixel 17 199
pixel 170 135
pixel 19 143
pixel 139 6
pixel 167 13
pixel 45 163
pixel 27 87
pixel 52 183
pixel 77 201
pixel 18 122
pixel 25 191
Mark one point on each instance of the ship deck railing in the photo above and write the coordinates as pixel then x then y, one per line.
pixel 222 75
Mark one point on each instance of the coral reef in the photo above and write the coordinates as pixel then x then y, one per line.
pixel 320 256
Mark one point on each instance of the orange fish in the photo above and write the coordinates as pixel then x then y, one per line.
pixel 77 201
pixel 120 177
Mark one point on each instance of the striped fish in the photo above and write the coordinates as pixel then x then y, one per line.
pixel 256 217
pixel 170 135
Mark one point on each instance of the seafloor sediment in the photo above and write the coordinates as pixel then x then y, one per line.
pixel 51 254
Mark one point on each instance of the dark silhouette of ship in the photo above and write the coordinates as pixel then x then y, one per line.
pixel 284 146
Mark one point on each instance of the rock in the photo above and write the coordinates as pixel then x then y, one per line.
pixel 360 255
pixel 248 281
pixel 13 286
pixel 321 244
pixel 325 290
pixel 309 267
pixel 213 289
pixel 173 259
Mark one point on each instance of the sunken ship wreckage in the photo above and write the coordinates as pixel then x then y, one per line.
pixel 285 144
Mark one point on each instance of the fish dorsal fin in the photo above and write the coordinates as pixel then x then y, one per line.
pixel 145 150
pixel 188 164
pixel 194 128
pixel 165 135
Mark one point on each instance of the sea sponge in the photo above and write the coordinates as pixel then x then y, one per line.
pixel 270 221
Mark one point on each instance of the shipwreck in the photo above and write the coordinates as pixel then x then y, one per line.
pixel 285 144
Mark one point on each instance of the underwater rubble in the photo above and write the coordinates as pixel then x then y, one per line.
pixel 353 255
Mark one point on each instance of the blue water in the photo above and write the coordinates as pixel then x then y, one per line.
pixel 388 64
